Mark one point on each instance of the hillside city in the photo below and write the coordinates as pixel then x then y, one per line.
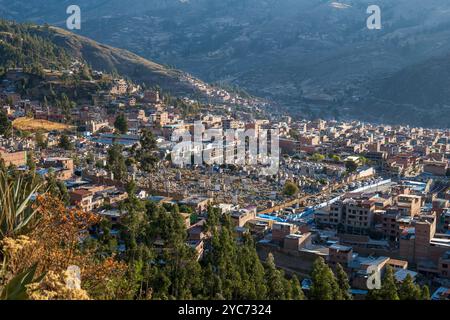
pixel 354 210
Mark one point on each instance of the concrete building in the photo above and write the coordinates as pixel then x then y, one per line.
pixel 436 168
pixel 421 245
pixel 82 198
pixel 444 265
pixel 339 254
pixel 13 158
pixel 242 216
pixel 119 87
pixel 296 241
pixel 280 230
pixel 408 205
pixel 63 167
pixel 358 214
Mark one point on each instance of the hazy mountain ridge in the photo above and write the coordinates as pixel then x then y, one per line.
pixel 298 52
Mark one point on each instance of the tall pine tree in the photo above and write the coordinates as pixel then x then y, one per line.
pixel 344 285
pixel 388 289
pixel 274 280
pixel 324 285
pixel 297 292
pixel 408 290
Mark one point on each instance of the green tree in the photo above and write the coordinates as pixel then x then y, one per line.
pixel 147 154
pixel 57 188
pixel 66 106
pixel 290 189
pixel 335 158
pixel 232 270
pixel 86 73
pixel 116 162
pixel 317 157
pixel 121 124
pixel 213 221
pixel 294 134
pixel 343 283
pixel 363 160
pixel 30 161
pixel 324 285
pixel 5 124
pixel 351 166
pixel 251 271
pixel 388 289
pixel 131 188
pixel 425 293
pixel 40 140
pixel 408 290
pixel 65 143
pixel 297 292
pixel 274 280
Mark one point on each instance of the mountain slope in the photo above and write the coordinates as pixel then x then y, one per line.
pixel 21 48
pixel 419 93
pixel 423 84
pixel 109 59
pixel 32 46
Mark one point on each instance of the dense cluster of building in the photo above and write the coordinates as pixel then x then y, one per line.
pixel 368 196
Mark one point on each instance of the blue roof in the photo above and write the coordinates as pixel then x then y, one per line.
pixel 42 172
pixel 119 136
pixel 110 141
pixel 306 284
pixel 440 294
pixel 122 139
pixel 264 216
pixel 340 247
pixel 71 184
pixel 358 291
pixel 156 198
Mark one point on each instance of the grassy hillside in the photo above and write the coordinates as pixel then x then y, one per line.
pixel 123 62
pixel 36 47
pixel 20 47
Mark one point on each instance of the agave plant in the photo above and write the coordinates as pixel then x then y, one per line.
pixel 16 288
pixel 16 211
pixel 16 215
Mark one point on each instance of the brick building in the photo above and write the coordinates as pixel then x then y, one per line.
pixel 281 229
pixel 13 158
